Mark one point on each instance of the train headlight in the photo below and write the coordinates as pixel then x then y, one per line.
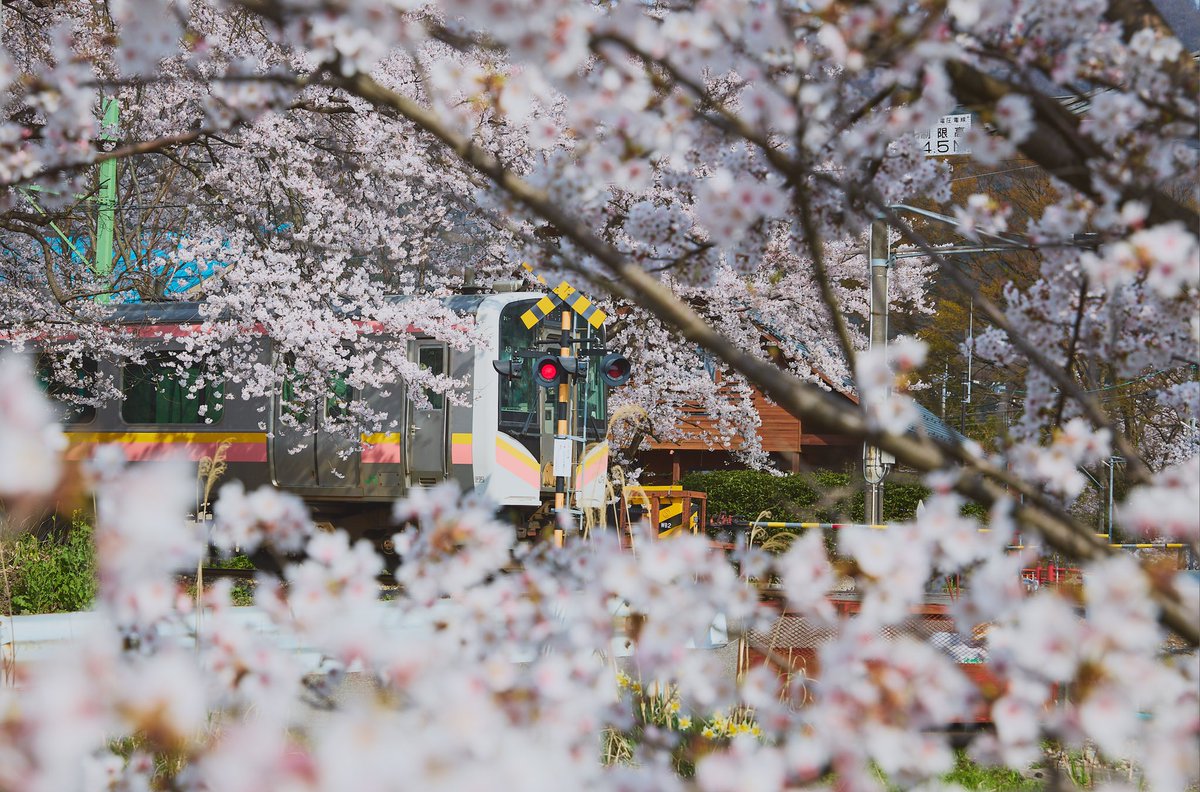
pixel 615 370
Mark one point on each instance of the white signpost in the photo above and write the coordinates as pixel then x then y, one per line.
pixel 562 457
pixel 947 136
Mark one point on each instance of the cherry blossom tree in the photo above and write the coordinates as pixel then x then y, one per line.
pixel 713 165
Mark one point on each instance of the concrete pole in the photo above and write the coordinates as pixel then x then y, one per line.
pixel 873 469
pixel 945 388
pixel 971 350
pixel 1111 475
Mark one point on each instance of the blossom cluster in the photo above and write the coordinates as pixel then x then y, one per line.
pixel 1058 465
pixel 1169 506
pixel 879 371
pixel 306 161
pixel 480 672
pixel 1167 256
pixel 244 521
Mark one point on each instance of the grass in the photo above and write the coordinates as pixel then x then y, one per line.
pixel 52 573
pixel 981 778
pixel 242 592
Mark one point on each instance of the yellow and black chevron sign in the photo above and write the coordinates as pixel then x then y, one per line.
pixel 580 304
pixel 563 293
pixel 670 519
pixel 540 310
pixel 533 274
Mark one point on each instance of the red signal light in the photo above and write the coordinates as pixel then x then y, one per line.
pixel 547 371
pixel 615 370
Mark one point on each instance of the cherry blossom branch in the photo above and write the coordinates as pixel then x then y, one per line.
pixel 1136 467
pixel 813 240
pixel 797 398
pixel 1057 145
pixel 1135 15
pixel 129 150
pixel 1079 309
pixel 725 119
pixel 51 276
pixel 732 123
pixel 790 168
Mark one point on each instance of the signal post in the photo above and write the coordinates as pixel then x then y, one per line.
pixel 561 433
pixel 558 372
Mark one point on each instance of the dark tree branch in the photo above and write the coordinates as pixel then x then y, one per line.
pixel 1057 144
pixel 981 480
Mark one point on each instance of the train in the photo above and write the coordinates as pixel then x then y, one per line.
pixel 499 441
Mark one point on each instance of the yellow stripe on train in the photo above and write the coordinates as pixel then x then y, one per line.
pixel 215 436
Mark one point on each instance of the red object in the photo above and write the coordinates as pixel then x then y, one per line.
pixel 548 370
pixel 788 658
pixel 1050 575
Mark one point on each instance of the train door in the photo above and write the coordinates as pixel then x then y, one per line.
pixel 304 454
pixel 339 457
pixel 427 425
pixel 293 443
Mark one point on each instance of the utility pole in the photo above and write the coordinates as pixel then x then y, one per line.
pixel 875 462
pixel 945 388
pixel 106 203
pixel 1111 463
pixel 967 379
pixel 962 404
pixel 970 349
pixel 1006 408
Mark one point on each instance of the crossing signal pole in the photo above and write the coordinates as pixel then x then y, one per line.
pixel 559 372
pixel 560 431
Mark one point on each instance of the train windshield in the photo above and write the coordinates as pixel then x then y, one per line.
pixel 524 410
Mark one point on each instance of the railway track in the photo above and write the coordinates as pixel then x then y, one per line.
pixel 217 573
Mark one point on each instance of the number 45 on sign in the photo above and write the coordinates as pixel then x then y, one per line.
pixel 947 136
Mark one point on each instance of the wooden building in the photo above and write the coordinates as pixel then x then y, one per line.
pixel 792 445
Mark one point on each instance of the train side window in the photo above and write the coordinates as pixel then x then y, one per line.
pixel 433 359
pixel 162 391
pixel 69 412
pixel 290 402
pixel 338 396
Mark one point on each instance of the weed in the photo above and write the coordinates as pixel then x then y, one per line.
pixel 984 778
pixel 55 573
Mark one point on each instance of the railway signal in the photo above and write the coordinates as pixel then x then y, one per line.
pixel 509 369
pixel 552 370
pixel 547 371
pixel 614 369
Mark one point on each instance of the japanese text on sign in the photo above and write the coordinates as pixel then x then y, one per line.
pixel 947 136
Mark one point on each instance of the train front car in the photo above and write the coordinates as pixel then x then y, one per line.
pixel 514 423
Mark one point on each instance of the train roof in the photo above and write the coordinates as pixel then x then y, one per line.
pixel 187 312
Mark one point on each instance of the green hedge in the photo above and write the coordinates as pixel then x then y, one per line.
pixel 819 496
